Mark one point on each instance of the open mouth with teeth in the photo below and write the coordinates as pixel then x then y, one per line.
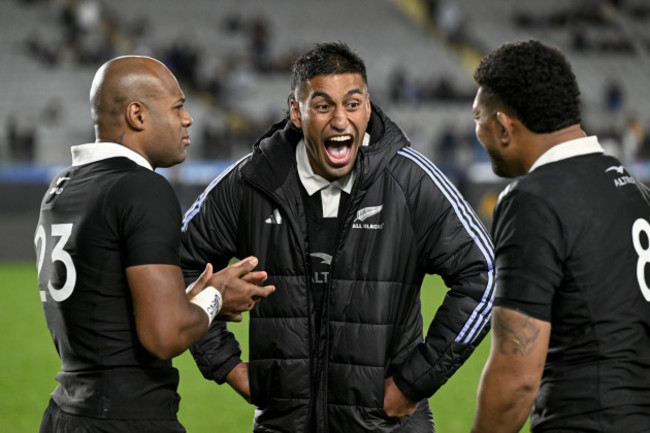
pixel 339 149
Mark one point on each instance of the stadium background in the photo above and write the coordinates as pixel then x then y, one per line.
pixel 232 58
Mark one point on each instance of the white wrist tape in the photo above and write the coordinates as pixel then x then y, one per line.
pixel 209 299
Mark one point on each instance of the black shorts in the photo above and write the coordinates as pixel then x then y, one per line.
pixel 57 421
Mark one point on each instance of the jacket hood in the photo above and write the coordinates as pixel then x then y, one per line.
pixel 273 155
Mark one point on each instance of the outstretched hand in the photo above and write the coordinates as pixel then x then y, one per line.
pixel 240 288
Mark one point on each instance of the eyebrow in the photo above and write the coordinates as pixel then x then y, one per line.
pixel 327 96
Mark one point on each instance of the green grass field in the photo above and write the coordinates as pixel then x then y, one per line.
pixel 28 363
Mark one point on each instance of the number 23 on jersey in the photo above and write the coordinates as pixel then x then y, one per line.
pixel 58 236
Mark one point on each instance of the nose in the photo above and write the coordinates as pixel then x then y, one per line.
pixel 187 120
pixel 339 119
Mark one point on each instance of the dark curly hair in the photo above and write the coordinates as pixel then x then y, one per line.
pixel 534 81
pixel 326 59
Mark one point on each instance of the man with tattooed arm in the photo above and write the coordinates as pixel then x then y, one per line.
pixel 571 317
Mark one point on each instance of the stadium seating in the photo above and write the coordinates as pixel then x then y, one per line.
pixel 45 81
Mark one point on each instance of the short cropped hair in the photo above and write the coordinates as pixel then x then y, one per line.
pixel 326 59
pixel 534 81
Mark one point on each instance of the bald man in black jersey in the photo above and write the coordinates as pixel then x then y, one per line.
pixel 108 264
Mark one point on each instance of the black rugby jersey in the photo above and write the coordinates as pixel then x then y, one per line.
pixel 98 217
pixel 572 248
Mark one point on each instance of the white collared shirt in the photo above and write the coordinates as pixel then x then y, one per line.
pixel 93 152
pixel 569 149
pixel 330 191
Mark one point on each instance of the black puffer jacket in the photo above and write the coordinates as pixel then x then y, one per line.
pixel 404 219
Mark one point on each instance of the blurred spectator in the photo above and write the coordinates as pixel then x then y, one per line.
pixel 451 21
pixel 644 150
pixel 215 85
pixel 448 143
pixel 69 23
pixel 397 85
pixel 259 45
pixel 431 7
pixel 21 140
pixel 183 59
pixel 215 142
pixel 614 96
pixel 632 139
pixel 444 89
pixel 232 23
pixel 88 15
pixel 52 113
pixel 579 40
pixel 43 50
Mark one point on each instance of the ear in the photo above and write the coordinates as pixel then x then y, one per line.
pixel 294 112
pixel 135 115
pixel 506 123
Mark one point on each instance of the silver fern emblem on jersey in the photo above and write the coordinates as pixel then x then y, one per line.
pixel 364 214
pixel 367 212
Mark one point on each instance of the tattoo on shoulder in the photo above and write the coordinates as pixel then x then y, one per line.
pixel 517 334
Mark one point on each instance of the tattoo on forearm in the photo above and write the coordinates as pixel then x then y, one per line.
pixel 516 335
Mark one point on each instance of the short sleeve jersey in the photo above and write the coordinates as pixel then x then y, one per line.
pixel 572 248
pixel 96 220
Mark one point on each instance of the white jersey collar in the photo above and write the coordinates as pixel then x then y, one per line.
pixel 93 152
pixel 330 191
pixel 569 149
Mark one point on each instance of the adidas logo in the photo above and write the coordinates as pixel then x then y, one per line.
pixel 365 213
pixel 274 218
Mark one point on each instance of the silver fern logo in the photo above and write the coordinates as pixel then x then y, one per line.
pixel 365 213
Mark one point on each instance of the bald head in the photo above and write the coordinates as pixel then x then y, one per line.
pixel 137 102
pixel 119 82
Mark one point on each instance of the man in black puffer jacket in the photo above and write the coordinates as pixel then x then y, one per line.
pixel 347 219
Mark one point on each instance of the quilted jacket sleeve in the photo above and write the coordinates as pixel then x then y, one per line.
pixel 209 236
pixel 455 245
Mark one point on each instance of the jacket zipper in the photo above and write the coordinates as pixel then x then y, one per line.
pixel 342 229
